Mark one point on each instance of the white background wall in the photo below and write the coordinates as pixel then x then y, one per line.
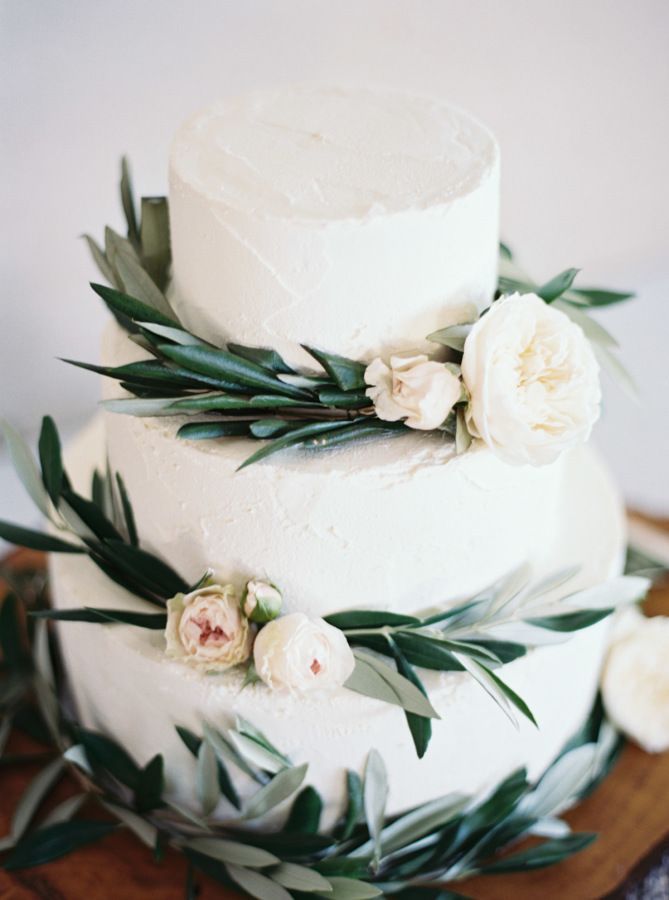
pixel 577 93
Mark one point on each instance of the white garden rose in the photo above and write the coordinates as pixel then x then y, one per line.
pixel 533 380
pixel 261 601
pixel 635 682
pixel 300 654
pixel 208 629
pixel 414 388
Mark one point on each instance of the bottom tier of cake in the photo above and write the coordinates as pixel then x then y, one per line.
pixel 124 685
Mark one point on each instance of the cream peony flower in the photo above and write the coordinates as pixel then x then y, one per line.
pixel 261 601
pixel 208 629
pixel 301 654
pixel 635 682
pixel 414 388
pixel 533 380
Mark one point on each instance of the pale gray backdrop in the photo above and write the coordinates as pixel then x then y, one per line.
pixel 577 93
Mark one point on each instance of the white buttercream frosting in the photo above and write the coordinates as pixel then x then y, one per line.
pixel 473 746
pixel 353 220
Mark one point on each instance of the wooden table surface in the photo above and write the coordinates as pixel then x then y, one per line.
pixel 630 811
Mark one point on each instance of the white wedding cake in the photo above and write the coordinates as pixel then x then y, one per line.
pixel 358 222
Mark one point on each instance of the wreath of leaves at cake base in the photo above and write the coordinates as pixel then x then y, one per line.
pixel 366 854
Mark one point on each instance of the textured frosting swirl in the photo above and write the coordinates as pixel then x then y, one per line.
pixel 329 153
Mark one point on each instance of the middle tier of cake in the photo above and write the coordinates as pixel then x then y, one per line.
pixel 398 523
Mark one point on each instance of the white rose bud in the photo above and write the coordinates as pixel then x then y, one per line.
pixel 262 601
pixel 533 380
pixel 300 654
pixel 635 682
pixel 207 629
pixel 414 388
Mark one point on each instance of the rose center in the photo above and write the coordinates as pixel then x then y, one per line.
pixel 209 635
pixel 315 666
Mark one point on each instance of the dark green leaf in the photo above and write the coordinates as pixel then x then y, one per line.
pixel 546 854
pixel 128 202
pixel 488 814
pixel 348 373
pixel 419 726
pixel 573 621
pixel 343 399
pixel 368 618
pixel 155 239
pixel 151 569
pixel 130 307
pixel 11 633
pixel 597 297
pixel 36 540
pixel 223 364
pixel 305 813
pixel 294 438
pixel 55 841
pixel 105 752
pixel 154 621
pixel 207 431
pixel 557 285
pixel 268 359
pixel 150 785
pixel 91 515
pixel 505 651
pixel 354 804
pixel 269 428
pixel 128 514
pixel 505 251
pixel 425 653
pixel 50 459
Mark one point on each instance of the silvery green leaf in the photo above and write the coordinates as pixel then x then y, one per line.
pixel 136 282
pixel 615 592
pixel 64 811
pixel 41 653
pixel 454 336
pixel 500 692
pixel 300 878
pixel 525 633
pixel 225 751
pixel 590 327
pixel 463 438
pixel 508 590
pixel 208 791
pixel 233 852
pixel 188 815
pixel 127 200
pixel 144 406
pixel 26 468
pixel 255 884
pixel 550 828
pixel 378 680
pixel 139 826
pixel 256 754
pixel 249 730
pixel 617 371
pixel 561 784
pixel 100 260
pixel 551 582
pixel 282 786
pixel 375 796
pixel 350 889
pixel 178 335
pixel 76 754
pixel 30 801
pixel 154 234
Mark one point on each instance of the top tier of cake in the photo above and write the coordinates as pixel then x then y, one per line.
pixel 354 220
